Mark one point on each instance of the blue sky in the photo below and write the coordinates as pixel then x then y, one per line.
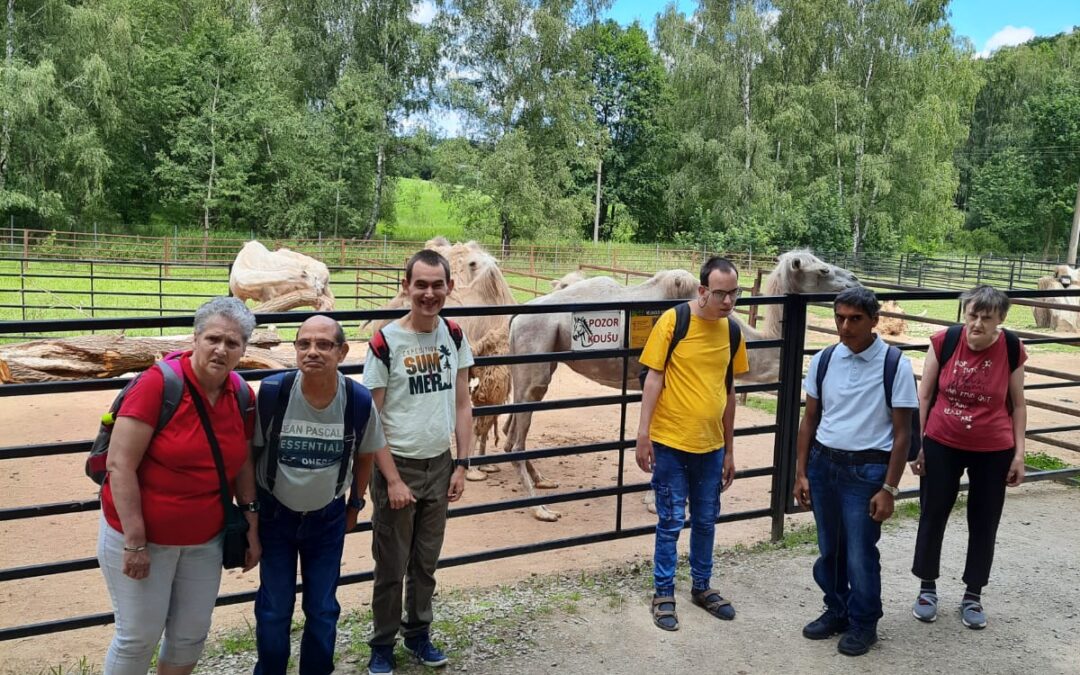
pixel 988 23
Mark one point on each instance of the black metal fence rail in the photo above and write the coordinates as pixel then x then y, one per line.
pixel 781 472
pixel 912 269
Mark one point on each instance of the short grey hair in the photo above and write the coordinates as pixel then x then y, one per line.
pixel 231 308
pixel 984 298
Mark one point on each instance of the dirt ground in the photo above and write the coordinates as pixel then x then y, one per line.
pixel 64 417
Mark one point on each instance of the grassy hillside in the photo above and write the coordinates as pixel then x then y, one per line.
pixel 420 213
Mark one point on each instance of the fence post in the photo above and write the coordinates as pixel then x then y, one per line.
pixel 160 293
pixel 93 296
pixel 622 421
pixel 1020 275
pixel 1012 273
pixel 978 274
pixel 900 271
pixel 25 244
pixel 964 275
pixel 922 266
pixel 787 410
pixel 22 285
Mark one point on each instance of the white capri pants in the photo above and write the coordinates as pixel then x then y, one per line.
pixel 177 598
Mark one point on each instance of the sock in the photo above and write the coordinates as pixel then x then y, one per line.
pixel 973 593
pixel 701 587
pixel 928 586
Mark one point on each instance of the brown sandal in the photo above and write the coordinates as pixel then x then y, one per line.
pixel 713 603
pixel 659 614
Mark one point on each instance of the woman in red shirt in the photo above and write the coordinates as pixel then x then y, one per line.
pixel 159 545
pixel 976 422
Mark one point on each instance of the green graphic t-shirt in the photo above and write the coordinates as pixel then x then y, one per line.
pixel 419 409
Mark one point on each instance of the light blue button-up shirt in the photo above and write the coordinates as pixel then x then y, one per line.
pixel 854 416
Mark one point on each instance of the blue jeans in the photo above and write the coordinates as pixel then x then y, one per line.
pixel 316 538
pixel 849 568
pixel 677 477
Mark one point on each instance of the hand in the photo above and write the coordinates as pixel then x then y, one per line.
pixel 729 470
pixel 253 553
pixel 400 495
pixel 881 506
pixel 137 564
pixel 643 453
pixel 457 484
pixel 918 467
pixel 351 516
pixel 802 491
pixel 1016 472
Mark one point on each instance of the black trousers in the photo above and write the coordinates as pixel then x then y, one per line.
pixel 987 473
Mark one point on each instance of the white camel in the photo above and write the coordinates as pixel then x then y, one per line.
pixel 796 272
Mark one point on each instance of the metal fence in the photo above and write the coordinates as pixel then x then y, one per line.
pixel 781 472
pixel 921 271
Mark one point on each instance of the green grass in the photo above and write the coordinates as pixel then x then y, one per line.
pixel 421 213
pixel 81 667
pixel 1044 462
pixel 763 403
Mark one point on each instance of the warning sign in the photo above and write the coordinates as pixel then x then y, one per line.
pixel 641 325
pixel 596 330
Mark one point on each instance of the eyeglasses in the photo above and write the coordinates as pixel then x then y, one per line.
pixel 320 345
pixel 720 294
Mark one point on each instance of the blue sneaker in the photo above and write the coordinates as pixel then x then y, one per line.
pixel 425 652
pixel 382 661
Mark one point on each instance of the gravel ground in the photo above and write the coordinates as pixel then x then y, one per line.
pixel 599 623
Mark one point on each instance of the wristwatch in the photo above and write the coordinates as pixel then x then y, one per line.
pixel 252 507
pixel 461 462
pixel 356 503
pixel 894 491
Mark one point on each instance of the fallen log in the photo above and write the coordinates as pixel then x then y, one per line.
pixel 101 356
pixel 305 297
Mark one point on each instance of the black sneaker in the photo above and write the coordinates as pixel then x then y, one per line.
pixel 856 642
pixel 825 626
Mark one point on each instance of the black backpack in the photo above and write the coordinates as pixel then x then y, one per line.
pixel 892 362
pixel 682 325
pixel 378 345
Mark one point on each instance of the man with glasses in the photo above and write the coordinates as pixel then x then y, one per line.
pixel 315 435
pixel 685 435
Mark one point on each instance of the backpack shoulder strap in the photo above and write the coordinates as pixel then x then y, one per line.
pixel 378 346
pixel 822 368
pixel 273 400
pixel 357 412
pixel 892 362
pixel 172 389
pixel 1012 346
pixel 682 326
pixel 952 338
pixel 243 394
pixel 456 333
pixel 735 340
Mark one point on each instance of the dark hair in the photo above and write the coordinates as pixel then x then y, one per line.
pixel 428 257
pixel 861 297
pixel 985 298
pixel 716 264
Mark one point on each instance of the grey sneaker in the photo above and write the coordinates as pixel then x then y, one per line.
pixel 971 613
pixel 925 607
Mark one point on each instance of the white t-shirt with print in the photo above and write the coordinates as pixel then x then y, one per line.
pixel 419 412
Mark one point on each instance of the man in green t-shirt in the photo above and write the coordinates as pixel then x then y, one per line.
pixel 418 375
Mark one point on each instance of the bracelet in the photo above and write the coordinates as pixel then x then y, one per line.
pixel 135 549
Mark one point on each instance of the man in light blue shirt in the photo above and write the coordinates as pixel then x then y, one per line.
pixel 851 452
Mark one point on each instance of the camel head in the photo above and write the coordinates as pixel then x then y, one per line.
pixel 676 284
pixel 801 271
pixel 567 280
pixel 1065 275
pixel 477 262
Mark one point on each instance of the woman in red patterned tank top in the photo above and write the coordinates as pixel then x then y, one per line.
pixel 974 416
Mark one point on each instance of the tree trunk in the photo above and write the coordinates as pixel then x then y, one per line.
pixel 857 232
pixel 9 56
pixel 599 184
pixel 305 297
pixel 213 165
pixel 1074 234
pixel 99 356
pixel 504 223
pixel 380 170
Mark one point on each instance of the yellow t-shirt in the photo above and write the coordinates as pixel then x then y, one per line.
pixel 689 412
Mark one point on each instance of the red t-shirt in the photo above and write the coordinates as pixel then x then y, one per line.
pixel 178 481
pixel 970 412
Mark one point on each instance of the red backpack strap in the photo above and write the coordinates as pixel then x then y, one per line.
pixel 378 346
pixel 455 332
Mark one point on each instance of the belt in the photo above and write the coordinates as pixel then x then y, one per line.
pixel 855 457
pixel 412 461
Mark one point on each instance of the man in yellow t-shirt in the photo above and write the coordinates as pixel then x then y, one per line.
pixel 684 436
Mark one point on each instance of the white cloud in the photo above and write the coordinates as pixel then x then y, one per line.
pixel 1006 37
pixel 423 12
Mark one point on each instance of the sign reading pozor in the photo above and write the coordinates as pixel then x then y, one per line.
pixel 596 330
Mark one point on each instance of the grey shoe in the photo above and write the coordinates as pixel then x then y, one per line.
pixel 925 607
pixel 971 613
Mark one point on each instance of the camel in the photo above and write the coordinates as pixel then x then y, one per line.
pixel 795 272
pixel 477 281
pixel 280 280
pixel 891 325
pixel 1059 319
pixel 567 280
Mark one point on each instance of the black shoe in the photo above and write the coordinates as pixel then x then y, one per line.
pixel 856 642
pixel 825 626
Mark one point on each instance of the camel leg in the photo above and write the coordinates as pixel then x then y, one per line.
pixel 480 432
pixel 517 429
pixel 538 478
pixel 494 429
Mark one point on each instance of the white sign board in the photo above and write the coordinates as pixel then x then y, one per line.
pixel 596 330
